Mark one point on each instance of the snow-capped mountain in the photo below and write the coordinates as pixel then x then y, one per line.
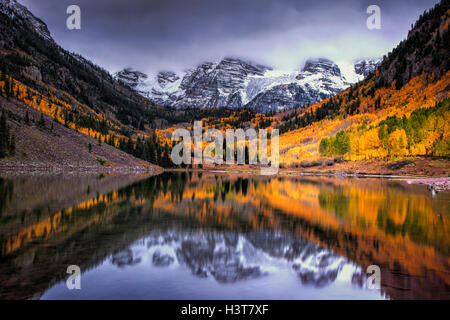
pixel 235 83
pixel 132 78
pixel 231 82
pixel 366 67
pixel 15 10
pixel 231 257
pixel 317 80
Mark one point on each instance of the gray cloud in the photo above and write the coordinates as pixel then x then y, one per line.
pixel 176 34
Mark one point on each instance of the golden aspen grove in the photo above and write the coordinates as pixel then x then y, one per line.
pixel 224 150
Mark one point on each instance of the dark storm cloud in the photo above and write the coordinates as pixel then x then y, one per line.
pixel 175 34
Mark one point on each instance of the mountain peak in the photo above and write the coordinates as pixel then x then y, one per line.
pixel 322 65
pixel 17 11
pixel 424 51
pixel 133 78
pixel 364 67
pixel 232 64
pixel 166 77
pixel 130 75
pixel 233 82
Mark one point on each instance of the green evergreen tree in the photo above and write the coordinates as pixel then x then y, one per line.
pixel 27 119
pixel 129 147
pixel 41 123
pixel 12 144
pixel 11 88
pixel 151 155
pixel 4 135
pixel 7 89
pixel 167 160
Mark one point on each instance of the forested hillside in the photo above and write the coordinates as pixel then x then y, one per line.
pixel 37 75
pixel 401 110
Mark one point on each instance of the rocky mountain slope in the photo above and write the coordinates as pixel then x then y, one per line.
pixel 50 146
pixel 17 11
pixel 400 110
pixel 59 105
pixel 424 51
pixel 235 83
pixel 230 257
pixel 30 55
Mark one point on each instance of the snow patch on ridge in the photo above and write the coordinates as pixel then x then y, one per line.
pixel 236 83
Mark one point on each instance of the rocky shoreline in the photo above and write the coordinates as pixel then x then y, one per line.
pixel 74 169
pixel 436 184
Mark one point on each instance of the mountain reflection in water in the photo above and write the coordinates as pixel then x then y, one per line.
pixel 223 236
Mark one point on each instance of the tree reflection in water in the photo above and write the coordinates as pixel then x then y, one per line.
pixel 228 228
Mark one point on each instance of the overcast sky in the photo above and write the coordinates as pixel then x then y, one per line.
pixel 154 35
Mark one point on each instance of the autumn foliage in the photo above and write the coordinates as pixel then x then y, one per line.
pixel 389 124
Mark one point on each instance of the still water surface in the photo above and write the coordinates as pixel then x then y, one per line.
pixel 221 236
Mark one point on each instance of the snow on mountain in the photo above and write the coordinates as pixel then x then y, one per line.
pixel 17 11
pixel 235 83
pixel 231 82
pixel 366 67
pixel 318 80
pixel 133 79
pixel 230 257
